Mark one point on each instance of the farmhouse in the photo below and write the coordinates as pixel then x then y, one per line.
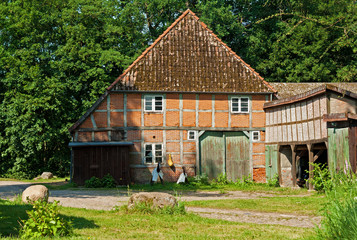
pixel 188 99
pixel 311 122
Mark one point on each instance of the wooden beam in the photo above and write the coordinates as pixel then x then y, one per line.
pixel 318 154
pixel 311 167
pixel 293 170
pixel 279 165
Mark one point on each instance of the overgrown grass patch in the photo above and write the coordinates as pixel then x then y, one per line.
pixel 309 205
pixel 120 224
pixel 255 187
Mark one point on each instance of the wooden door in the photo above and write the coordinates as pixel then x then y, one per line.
pixel 212 154
pixel 237 155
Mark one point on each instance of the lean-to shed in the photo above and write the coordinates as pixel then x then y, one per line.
pixel 317 125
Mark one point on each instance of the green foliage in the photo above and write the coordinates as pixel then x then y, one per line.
pixel 58 56
pixel 199 180
pixel 245 180
pixel 221 179
pixel 145 208
pixel 106 182
pixel 321 178
pixel 274 181
pixel 44 221
pixel 340 213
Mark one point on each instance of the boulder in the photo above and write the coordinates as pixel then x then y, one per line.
pixel 34 193
pixel 46 175
pixel 154 199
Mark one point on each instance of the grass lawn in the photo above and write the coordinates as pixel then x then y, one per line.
pixel 309 205
pixel 254 187
pixel 52 180
pixel 92 224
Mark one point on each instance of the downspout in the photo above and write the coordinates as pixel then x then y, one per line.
pixel 71 166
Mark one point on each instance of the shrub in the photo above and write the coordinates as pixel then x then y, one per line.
pixel 93 182
pixel 274 181
pixel 199 180
pixel 321 178
pixel 107 182
pixel 44 221
pixel 340 213
pixel 222 179
pixel 245 180
pixel 146 208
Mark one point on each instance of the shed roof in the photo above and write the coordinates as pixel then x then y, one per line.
pixel 188 57
pixel 311 93
pixel 285 90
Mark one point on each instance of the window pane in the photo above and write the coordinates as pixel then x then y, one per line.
pixel 148 160
pixel 148 103
pixel 158 108
pixel 244 104
pixel 158 146
pixel 158 159
pixel 158 103
pixel 148 147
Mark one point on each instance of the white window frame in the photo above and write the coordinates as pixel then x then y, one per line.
pixel 194 135
pixel 239 101
pixel 257 132
pixel 154 153
pixel 154 103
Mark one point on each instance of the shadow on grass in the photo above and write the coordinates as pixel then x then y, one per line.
pixel 12 213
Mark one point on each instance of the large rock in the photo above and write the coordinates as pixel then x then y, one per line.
pixel 154 199
pixel 34 193
pixel 46 175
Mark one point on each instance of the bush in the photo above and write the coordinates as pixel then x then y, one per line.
pixel 245 180
pixel 274 181
pixel 340 213
pixel 199 180
pixel 145 208
pixel 106 182
pixel 321 178
pixel 44 221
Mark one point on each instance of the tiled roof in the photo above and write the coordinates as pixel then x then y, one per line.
pixel 285 90
pixel 188 57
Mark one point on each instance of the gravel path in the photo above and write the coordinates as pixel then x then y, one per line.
pixel 107 199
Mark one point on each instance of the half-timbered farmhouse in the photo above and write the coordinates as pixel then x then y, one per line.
pixel 188 98
pixel 312 122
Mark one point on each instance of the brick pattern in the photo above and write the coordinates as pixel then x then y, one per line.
pixel 133 135
pixel 153 119
pixel 116 119
pixel 172 144
pixel 101 136
pixel 259 175
pixel 116 101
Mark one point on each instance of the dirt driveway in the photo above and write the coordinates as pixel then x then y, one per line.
pixel 107 199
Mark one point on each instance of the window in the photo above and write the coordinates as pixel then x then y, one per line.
pixel 240 104
pixel 191 135
pixel 256 136
pixel 153 153
pixel 153 103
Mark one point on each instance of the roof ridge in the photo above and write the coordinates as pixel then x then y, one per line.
pixel 232 52
pixel 188 11
pixel 150 47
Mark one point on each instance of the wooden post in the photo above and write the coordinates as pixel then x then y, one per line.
pixel 311 168
pixel 279 165
pixel 293 169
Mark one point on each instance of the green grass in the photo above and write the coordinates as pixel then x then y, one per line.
pixel 93 224
pixel 52 180
pixel 255 187
pixel 309 205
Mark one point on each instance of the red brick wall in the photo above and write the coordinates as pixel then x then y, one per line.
pixel 259 175
pixel 173 137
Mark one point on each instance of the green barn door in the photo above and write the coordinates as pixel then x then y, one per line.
pixel 271 158
pixel 224 152
pixel 237 155
pixel 212 154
